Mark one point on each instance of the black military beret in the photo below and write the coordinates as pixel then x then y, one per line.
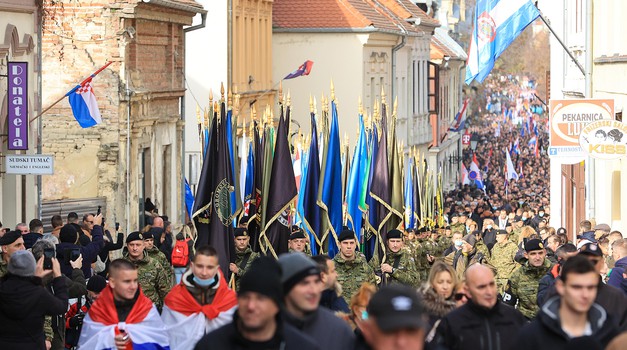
pixel 134 236
pixel 346 234
pixel 241 232
pixel 394 234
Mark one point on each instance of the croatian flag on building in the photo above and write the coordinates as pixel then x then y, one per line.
pixel 83 102
pixel 304 69
pixel 497 24
pixel 84 105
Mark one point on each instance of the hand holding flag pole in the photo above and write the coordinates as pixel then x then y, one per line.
pixel 73 89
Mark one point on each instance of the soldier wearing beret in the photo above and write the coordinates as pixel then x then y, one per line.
pixel 154 279
pixel 153 251
pixel 244 255
pixel 11 242
pixel 297 242
pixel 351 265
pixel 398 266
pixel 522 288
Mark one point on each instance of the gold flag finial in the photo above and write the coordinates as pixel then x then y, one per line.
pixel 236 104
pixel 280 88
pixel 332 91
pixel 222 91
pixel 254 112
pixel 198 114
pixel 395 106
pixel 229 102
pixel 289 98
pixel 315 106
pixel 382 95
pixel 311 104
pixel 210 95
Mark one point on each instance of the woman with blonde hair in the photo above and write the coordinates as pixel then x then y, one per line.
pixel 438 293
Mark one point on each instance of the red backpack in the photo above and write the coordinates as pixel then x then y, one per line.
pixel 180 253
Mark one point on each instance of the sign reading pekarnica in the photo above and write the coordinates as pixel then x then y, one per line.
pixel 568 118
pixel 29 164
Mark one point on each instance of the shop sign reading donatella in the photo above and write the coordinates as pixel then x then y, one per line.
pixel 604 139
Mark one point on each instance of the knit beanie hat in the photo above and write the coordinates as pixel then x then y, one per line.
pixel 96 283
pixel 68 234
pixel 22 263
pixel 263 277
pixel 296 266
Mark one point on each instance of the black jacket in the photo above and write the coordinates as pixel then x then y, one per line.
pixel 23 304
pixel 109 247
pixel 333 302
pixel 472 327
pixel 228 337
pixel 31 238
pixel 89 252
pixel 545 332
pixel 329 331
pixel 611 299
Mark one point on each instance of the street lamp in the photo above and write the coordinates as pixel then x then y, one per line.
pixel 473 141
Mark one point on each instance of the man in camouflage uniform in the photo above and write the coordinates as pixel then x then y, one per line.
pixel 153 278
pixel 523 284
pixel 398 266
pixel 155 253
pixel 244 255
pixel 297 242
pixel 502 259
pixel 456 225
pixel 351 266
pixel 422 264
pixel 11 242
pixel 517 225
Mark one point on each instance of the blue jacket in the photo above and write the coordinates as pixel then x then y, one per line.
pixel 616 276
pixel 89 252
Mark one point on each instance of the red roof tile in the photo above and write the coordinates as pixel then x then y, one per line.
pixel 347 14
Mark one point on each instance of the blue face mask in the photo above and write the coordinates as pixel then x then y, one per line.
pixel 205 283
pixel 541 214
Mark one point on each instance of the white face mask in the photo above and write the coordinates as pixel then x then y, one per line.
pixel 489 227
pixel 458 242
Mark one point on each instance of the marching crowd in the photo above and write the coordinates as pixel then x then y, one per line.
pixel 495 275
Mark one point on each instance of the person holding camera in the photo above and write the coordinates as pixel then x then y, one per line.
pixel 24 301
pixel 70 249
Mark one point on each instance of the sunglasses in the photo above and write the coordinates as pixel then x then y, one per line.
pixel 459 296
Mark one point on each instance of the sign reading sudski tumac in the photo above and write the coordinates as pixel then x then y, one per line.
pixel 32 164
pixel 567 119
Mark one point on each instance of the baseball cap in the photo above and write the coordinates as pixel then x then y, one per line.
pixel 396 307
pixel 590 249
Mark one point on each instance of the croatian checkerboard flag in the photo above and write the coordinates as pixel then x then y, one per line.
pixel 304 69
pixel 84 105
pixel 475 174
pixel 497 24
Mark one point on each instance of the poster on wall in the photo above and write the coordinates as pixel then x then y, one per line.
pixel 17 102
pixel 605 139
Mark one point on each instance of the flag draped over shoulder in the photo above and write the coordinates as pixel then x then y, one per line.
pixel 356 184
pixel 311 210
pixel 281 194
pixel 497 24
pixel 330 198
pixel 186 321
pixel 143 325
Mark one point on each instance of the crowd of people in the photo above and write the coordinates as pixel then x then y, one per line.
pixel 495 275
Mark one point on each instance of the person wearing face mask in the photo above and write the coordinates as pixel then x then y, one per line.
pixel 199 304
pixel 489 233
pixel 535 222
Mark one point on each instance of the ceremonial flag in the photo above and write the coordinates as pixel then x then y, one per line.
pixel 143 325
pixel 355 188
pixel 281 194
pixel 330 198
pixel 380 187
pixel 409 195
pixel 297 165
pixel 372 219
pixel 509 168
pixel 460 118
pixel 206 186
pixel 243 172
pixel 249 184
pixel 396 177
pixel 497 24
pixel 189 199
pixel 474 175
pixel 311 210
pixel 236 204
pixel 83 102
pixel 187 321
pixel 304 69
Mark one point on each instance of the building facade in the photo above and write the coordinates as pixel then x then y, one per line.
pixel 20 33
pixel 137 151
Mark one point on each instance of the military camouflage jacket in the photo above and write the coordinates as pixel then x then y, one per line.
pixel 351 274
pixel 503 260
pixel 154 279
pixel 523 286
pixel 239 258
pixel 3 267
pixel 405 273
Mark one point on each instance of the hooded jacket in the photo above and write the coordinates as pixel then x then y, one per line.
pixel 545 332
pixel 23 304
pixel 616 276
